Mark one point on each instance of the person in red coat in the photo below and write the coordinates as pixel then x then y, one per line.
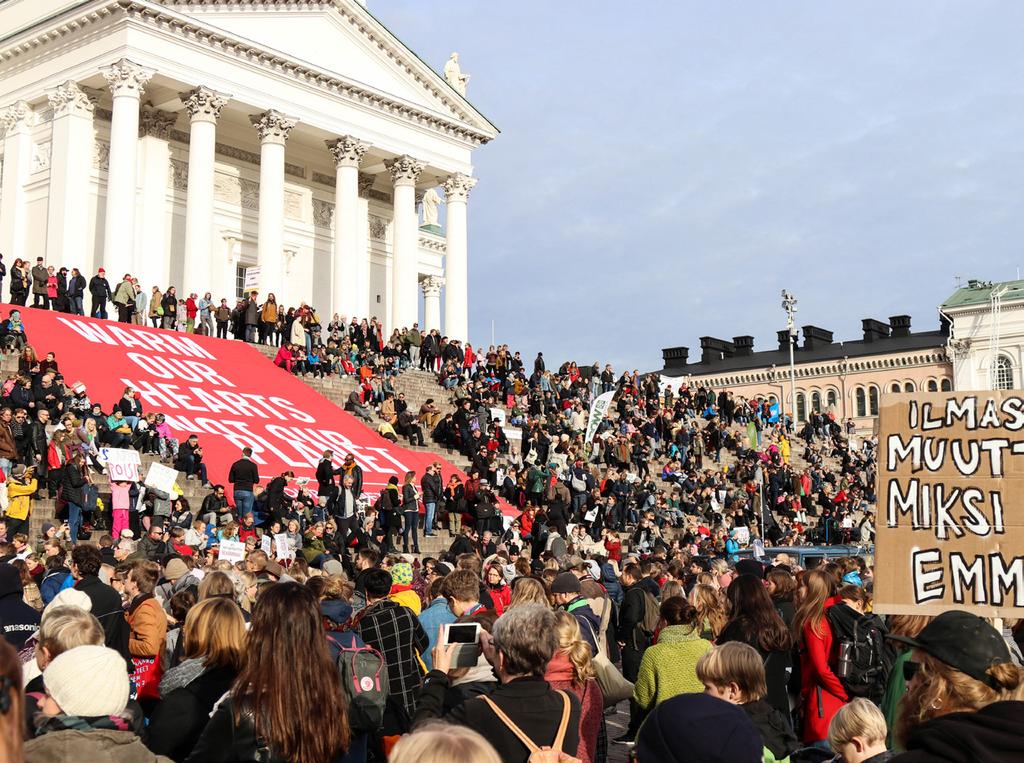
pixel 571 669
pixel 821 691
pixel 501 593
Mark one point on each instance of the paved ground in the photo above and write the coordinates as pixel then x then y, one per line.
pixel 618 753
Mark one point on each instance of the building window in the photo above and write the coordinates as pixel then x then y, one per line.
pixel 932 386
pixel 239 281
pixel 1002 373
pixel 947 385
pixel 873 401
pixel 861 402
pixel 895 387
pixel 909 387
pixel 801 407
pixel 831 398
pixel 816 401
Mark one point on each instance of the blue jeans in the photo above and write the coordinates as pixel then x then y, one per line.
pixel 428 520
pixel 244 501
pixel 411 520
pixel 74 521
pixel 5 467
pixel 77 306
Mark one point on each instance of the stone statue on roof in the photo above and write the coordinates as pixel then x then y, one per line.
pixel 453 73
pixel 431 201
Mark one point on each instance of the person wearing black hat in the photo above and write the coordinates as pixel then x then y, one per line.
pixel 566 593
pixel 963 699
pixel 693 727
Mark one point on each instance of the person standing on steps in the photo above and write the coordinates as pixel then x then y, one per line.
pixel 431 488
pixel 243 475
pixel 411 512
pixel 325 473
pixel 99 290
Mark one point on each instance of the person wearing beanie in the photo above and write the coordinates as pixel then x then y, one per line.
pixel 18 620
pixel 694 727
pixel 566 592
pixel 401 587
pixel 86 714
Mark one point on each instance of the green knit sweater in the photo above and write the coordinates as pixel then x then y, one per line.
pixel 669 667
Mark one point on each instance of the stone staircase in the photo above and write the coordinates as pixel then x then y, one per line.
pixel 418 386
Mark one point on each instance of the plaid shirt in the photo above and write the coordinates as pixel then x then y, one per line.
pixel 395 632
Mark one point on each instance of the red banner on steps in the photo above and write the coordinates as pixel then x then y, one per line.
pixel 223 390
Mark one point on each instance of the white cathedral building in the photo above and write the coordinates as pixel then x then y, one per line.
pixel 195 142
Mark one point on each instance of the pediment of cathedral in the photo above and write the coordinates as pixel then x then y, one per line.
pixel 340 37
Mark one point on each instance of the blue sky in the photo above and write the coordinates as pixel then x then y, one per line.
pixel 666 168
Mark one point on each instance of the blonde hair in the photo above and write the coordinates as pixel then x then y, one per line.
pixel 734 662
pixel 66 627
pixel 438 742
pixel 528 591
pixel 858 718
pixel 670 589
pixel 710 608
pixel 214 630
pixel 572 645
pixel 942 689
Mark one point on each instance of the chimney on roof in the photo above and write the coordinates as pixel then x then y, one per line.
pixel 815 337
pixel 744 346
pixel 675 357
pixel 874 330
pixel 713 349
pixel 900 325
pixel 784 340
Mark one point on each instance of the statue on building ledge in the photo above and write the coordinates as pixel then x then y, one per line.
pixel 453 73
pixel 431 202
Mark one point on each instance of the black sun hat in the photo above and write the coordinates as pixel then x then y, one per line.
pixel 962 641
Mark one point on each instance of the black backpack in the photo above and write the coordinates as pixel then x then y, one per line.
pixel 865 656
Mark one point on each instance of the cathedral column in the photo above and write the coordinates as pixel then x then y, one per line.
pixel 127 81
pixel 273 128
pixel 431 286
pixel 151 262
pixel 347 275
pixel 16 121
pixel 456 266
pixel 404 307
pixel 70 165
pixel 203 106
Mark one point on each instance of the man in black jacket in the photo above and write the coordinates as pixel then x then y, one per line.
pixel 106 602
pixel 76 292
pixel 99 290
pixel 632 641
pixel 522 645
pixel 431 487
pixel 325 474
pixel 242 476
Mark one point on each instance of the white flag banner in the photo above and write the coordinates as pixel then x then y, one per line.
pixel 598 410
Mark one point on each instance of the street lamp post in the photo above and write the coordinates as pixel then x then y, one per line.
pixel 789 305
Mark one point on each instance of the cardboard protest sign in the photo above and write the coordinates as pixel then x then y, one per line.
pixel 743 536
pixel 283 547
pixel 950 525
pixel 231 551
pixel 123 465
pixel 266 545
pixel 160 477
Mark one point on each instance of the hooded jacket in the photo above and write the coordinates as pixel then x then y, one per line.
pixel 994 734
pixel 18 620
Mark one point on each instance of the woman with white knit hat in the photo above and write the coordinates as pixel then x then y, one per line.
pixel 85 714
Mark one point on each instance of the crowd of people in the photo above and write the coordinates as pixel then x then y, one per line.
pixel 632 565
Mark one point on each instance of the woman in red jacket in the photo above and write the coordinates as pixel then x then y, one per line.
pixel 571 669
pixel 821 691
pixel 499 590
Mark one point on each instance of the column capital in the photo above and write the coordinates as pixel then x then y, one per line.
pixel 156 123
pixel 203 104
pixel 17 116
pixel 127 78
pixel 457 187
pixel 272 126
pixel 72 98
pixel 431 286
pixel 346 150
pixel 404 169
